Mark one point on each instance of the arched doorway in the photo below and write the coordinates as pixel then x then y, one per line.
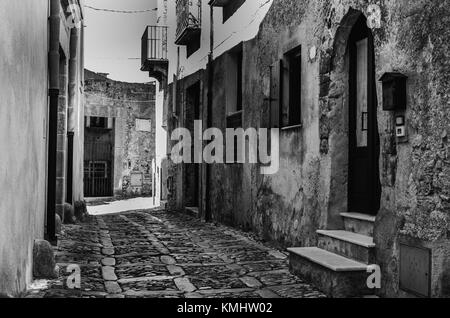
pixel 363 172
pixel 350 104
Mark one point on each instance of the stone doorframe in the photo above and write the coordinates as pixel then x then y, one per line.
pixel 334 116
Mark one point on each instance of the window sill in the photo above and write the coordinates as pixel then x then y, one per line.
pixel 292 127
pixel 231 114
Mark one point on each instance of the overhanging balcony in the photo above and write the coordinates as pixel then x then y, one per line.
pixel 189 21
pixel 154 52
pixel 154 47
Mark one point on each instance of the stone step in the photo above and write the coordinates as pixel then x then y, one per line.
pixel 335 275
pixel 193 211
pixel 359 223
pixel 348 244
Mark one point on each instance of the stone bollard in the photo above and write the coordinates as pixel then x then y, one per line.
pixel 58 224
pixel 80 211
pixel 60 213
pixel 44 266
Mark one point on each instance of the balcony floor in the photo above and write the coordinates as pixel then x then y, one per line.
pixel 188 35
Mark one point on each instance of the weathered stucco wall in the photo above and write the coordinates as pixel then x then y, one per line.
pixel 134 150
pixel 23 114
pixel 288 202
pixel 416 174
pixel 70 119
pixel 226 194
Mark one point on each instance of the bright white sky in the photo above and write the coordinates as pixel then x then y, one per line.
pixel 114 39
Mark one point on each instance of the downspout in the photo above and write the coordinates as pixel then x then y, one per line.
pixel 53 62
pixel 71 116
pixel 81 97
pixel 208 214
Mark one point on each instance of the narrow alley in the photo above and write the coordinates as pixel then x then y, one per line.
pixel 224 149
pixel 158 254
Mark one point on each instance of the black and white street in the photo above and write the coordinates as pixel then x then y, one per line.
pixel 159 254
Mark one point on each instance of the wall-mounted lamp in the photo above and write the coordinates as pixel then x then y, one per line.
pixel 394 91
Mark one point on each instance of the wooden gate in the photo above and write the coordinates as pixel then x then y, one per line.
pixel 98 164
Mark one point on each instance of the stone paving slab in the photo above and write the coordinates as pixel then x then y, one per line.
pixel 143 270
pixel 113 288
pixel 160 254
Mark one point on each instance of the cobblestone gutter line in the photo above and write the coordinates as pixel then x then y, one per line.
pixel 108 270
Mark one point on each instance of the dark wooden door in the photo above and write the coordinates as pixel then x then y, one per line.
pixel 364 185
pixel 192 185
pixel 192 170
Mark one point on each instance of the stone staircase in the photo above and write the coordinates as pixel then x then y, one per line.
pixel 338 265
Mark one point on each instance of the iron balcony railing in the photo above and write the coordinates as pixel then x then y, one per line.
pixel 189 18
pixel 154 45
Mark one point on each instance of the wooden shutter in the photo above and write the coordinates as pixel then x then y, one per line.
pixel 276 84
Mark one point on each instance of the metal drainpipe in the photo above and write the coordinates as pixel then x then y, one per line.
pixel 53 62
pixel 208 214
pixel 71 111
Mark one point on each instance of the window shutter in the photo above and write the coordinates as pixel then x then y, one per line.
pixel 276 84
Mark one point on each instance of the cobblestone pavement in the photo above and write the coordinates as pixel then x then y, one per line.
pixel 156 254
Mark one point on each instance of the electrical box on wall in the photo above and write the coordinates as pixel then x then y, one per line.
pixel 400 126
pixel 400 132
pixel 415 270
pixel 394 91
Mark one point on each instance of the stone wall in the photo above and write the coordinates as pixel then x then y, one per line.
pixel 309 192
pixel 310 189
pixel 134 150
